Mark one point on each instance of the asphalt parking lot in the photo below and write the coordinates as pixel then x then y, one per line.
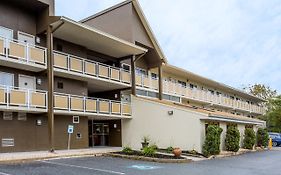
pixel 259 163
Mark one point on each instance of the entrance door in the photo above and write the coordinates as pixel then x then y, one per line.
pixel 98 134
pixel 26 38
pixel 27 82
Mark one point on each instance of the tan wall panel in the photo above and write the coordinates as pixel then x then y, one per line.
pixel 91 105
pixel 60 60
pixel 126 109
pixel 115 74
pixel 116 108
pixel 154 84
pixel 126 77
pixel 37 55
pixel 38 99
pixel 61 102
pixel 146 81
pixel 76 65
pixel 104 106
pixel 77 104
pixel 1 46
pixel 18 97
pixel 90 68
pixel 138 80
pixel 17 50
pixel 103 71
pixel 2 96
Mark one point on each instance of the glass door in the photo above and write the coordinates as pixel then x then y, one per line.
pixel 98 134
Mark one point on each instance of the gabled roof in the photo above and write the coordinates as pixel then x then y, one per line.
pixel 144 22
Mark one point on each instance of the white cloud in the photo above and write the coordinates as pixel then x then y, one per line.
pixel 235 41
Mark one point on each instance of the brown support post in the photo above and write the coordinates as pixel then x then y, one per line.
pixel 50 71
pixel 160 82
pixel 133 74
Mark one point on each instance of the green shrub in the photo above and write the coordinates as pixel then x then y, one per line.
pixel 249 138
pixel 262 137
pixel 127 150
pixel 154 146
pixel 232 139
pixel 149 151
pixel 211 145
pixel 169 149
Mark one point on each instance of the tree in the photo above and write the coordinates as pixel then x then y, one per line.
pixel 249 138
pixel 232 139
pixel 274 114
pixel 212 141
pixel 261 91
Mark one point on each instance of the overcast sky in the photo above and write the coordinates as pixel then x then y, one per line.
pixel 237 42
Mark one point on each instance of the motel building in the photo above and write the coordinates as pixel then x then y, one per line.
pixel 106 76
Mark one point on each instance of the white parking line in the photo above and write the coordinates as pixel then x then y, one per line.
pixel 82 167
pixel 1 173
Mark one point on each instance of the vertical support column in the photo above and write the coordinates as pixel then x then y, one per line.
pixel 133 74
pixel 50 76
pixel 160 82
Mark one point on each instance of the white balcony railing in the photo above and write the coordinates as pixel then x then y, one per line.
pixel 18 51
pixel 23 99
pixel 89 68
pixel 87 105
pixel 146 81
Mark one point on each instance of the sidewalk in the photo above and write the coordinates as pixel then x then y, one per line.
pixel 39 155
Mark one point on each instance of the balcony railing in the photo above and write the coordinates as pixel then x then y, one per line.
pixel 146 81
pixel 90 106
pixel 14 50
pixel 23 99
pixel 208 97
pixel 86 67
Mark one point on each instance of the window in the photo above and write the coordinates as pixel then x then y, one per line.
pixel 212 92
pixel 126 67
pixel 79 135
pixel 218 93
pixel 192 86
pixel 154 75
pixel 6 79
pixel 60 85
pixel 5 32
pixel 140 71
pixel 75 119
pixel 182 83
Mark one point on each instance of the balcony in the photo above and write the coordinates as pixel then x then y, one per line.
pixel 16 99
pixel 144 81
pixel 20 55
pixel 97 74
pixel 85 106
pixel 207 97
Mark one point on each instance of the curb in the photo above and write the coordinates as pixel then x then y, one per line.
pixel 26 160
pixel 149 159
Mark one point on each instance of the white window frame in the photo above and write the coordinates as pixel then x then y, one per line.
pixel 141 69
pixel 125 64
pixel 12 31
pixel 13 77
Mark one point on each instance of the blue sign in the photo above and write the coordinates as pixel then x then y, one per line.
pixel 144 167
pixel 70 129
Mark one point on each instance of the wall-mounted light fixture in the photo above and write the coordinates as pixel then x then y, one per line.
pixel 38 122
pixel 39 81
pixel 170 112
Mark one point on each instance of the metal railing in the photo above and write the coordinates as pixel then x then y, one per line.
pixel 15 50
pixel 206 96
pixel 146 81
pixel 14 97
pixel 89 105
pixel 75 64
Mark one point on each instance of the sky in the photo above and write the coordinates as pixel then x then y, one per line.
pixel 236 42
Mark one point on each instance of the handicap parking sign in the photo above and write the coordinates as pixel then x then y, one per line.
pixel 70 129
pixel 144 167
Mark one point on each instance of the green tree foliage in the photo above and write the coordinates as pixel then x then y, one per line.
pixel 212 141
pixel 261 91
pixel 262 137
pixel 274 115
pixel 232 139
pixel 249 138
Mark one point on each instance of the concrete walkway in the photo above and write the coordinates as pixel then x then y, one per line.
pixel 40 155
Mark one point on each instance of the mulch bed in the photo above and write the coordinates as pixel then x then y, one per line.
pixel 160 156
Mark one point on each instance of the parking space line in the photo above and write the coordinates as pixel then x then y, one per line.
pixel 1 173
pixel 82 167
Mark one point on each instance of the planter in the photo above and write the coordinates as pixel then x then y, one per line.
pixel 177 152
pixel 144 144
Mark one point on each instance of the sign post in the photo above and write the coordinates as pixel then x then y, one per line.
pixel 69 131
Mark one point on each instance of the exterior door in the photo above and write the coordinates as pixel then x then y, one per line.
pixel 27 82
pixel 26 38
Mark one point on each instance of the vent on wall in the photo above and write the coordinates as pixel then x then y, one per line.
pixel 22 116
pixel 7 116
pixel 8 142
